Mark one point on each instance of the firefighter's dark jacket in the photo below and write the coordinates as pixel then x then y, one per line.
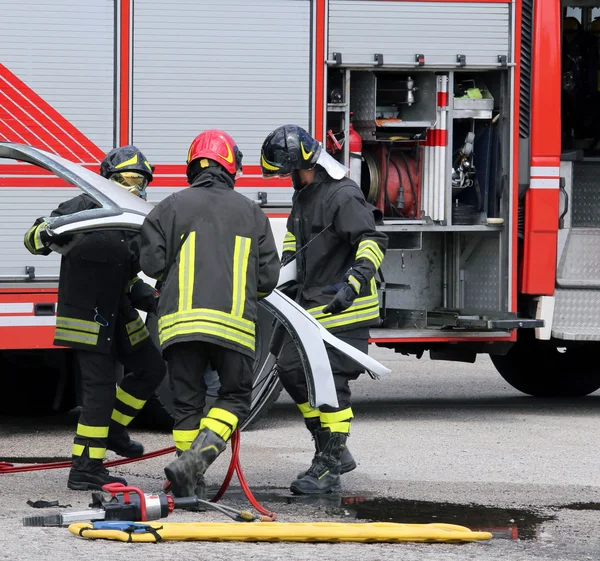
pixel 336 222
pixel 214 251
pixel 96 276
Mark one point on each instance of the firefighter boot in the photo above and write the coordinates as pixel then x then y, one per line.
pixel 321 436
pixel 184 473
pixel 323 476
pixel 121 444
pixel 90 474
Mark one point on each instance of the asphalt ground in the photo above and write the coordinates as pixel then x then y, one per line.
pixel 435 442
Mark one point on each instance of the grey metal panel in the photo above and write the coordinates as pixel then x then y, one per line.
pixel 240 66
pixel 399 30
pixel 585 212
pixel 420 271
pixel 19 208
pixel 64 51
pixel 576 315
pixel 579 266
pixel 481 283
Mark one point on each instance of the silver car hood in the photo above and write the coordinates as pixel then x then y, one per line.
pixel 123 210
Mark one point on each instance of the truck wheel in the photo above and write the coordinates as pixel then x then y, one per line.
pixel 545 369
pixel 266 388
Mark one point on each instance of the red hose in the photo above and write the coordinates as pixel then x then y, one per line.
pixel 234 466
pixel 5 467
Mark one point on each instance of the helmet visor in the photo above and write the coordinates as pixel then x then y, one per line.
pixel 134 182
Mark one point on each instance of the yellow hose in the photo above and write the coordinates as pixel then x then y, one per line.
pixel 290 532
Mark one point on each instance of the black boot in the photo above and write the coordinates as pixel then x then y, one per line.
pixel 184 472
pixel 323 476
pixel 200 489
pixel 120 442
pixel 321 436
pixel 88 474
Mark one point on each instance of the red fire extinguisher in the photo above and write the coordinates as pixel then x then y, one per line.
pixel 355 153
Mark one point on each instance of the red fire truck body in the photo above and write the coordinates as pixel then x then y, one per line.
pixel 447 113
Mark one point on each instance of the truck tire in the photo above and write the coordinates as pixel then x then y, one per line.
pixel 157 412
pixel 540 369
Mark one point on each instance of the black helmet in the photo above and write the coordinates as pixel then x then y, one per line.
pixel 126 158
pixel 128 167
pixel 286 149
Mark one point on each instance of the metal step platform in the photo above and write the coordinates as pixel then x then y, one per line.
pixel 577 294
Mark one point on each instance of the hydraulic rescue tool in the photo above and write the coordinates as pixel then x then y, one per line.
pixel 132 504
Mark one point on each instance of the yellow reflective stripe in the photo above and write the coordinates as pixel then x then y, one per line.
pixel 357 317
pixel 148 166
pixel 139 336
pixel 218 427
pixel 370 245
pixel 186 272
pixel 222 331
pixel 336 416
pixel 307 411
pixel 223 415
pixel 120 418
pixel 369 256
pixel 37 238
pixel 134 325
pixel 240 271
pixel 75 337
pixel 78 324
pixel 205 314
pixel 26 239
pixel 129 399
pixel 183 446
pixel 354 283
pixel 343 427
pixel 133 160
pixel 94 453
pixel 289 242
pixel 185 435
pixel 361 303
pixel 266 164
pixel 77 449
pixel 92 432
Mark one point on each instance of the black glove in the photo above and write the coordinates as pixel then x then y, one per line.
pixel 344 296
pixel 144 297
pixel 59 240
pixel 287 257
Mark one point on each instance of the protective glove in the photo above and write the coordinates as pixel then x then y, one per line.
pixel 144 297
pixel 344 296
pixel 287 257
pixel 58 240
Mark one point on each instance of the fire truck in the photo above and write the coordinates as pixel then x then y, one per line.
pixel 470 124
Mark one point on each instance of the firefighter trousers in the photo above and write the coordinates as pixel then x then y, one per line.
pixel 344 369
pixel 103 404
pixel 187 363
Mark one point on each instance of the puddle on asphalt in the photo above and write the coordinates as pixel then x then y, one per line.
pixel 507 523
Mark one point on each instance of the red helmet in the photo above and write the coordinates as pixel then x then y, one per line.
pixel 219 147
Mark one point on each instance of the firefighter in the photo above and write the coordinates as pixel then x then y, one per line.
pixel 332 236
pixel 214 251
pixel 98 294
